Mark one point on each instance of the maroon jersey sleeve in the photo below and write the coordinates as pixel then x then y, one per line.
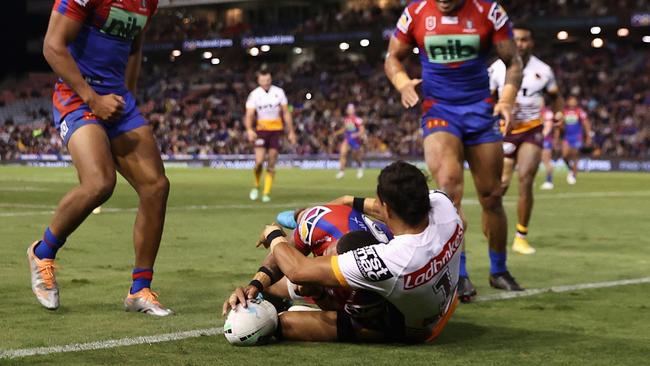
pixel 500 22
pixel 77 10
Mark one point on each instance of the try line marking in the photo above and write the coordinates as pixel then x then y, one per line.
pixel 124 342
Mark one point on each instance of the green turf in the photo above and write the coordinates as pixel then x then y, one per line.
pixel 590 232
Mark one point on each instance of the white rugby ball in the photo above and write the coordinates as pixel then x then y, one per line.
pixel 251 326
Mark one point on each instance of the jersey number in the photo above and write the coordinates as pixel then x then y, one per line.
pixel 443 287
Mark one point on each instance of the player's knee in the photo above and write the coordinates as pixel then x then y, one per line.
pixel 453 187
pixel 526 180
pixel 491 199
pixel 157 189
pixel 100 188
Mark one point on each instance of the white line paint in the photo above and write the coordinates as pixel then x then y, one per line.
pixel 133 341
pixel 245 206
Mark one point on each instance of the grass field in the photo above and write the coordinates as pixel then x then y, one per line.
pixel 593 232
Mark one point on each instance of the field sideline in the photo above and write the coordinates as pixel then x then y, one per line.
pixel 588 233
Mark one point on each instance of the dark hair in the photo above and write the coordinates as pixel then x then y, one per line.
pixel 355 240
pixel 263 72
pixel 403 187
pixel 524 27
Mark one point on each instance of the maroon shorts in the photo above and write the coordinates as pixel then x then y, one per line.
pixel 512 142
pixel 268 139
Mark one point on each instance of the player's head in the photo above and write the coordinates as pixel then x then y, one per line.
pixel 572 101
pixel 403 191
pixel 524 40
pixel 350 109
pixel 264 78
pixel 447 6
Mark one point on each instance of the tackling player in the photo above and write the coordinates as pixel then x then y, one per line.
pixel 271 106
pixel 459 122
pixel 355 133
pixel 522 146
pixel 95 46
pixel 416 272
pixel 576 124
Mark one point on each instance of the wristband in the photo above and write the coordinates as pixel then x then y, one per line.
pixel 357 203
pixel 277 242
pixel 267 272
pixel 257 284
pixel 273 235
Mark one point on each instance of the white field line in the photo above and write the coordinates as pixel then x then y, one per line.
pixel 243 206
pixel 124 342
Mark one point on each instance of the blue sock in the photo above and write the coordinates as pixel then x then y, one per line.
pixel 47 248
pixel 549 178
pixel 142 278
pixel 497 262
pixel 463 268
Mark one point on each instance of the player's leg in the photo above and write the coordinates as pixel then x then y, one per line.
pixel 91 155
pixel 547 160
pixel 343 158
pixel 567 156
pixel 506 177
pixel 323 326
pixel 260 155
pixel 443 153
pixel 138 160
pixel 270 174
pixel 486 164
pixel 528 159
pixel 357 154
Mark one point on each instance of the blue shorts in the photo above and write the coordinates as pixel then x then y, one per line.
pixel 573 140
pixel 68 121
pixel 354 143
pixel 473 123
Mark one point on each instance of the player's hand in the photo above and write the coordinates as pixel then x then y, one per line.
pixel 107 107
pixel 252 135
pixel 238 296
pixel 410 96
pixel 267 230
pixel 292 138
pixel 504 110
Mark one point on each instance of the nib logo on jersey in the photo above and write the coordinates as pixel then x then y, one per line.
pixel 448 48
pixel 124 24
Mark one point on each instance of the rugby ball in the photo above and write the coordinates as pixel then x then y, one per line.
pixel 253 325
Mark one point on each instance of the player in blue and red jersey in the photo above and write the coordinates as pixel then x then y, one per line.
pixel 576 129
pixel 95 47
pixel 354 133
pixel 459 119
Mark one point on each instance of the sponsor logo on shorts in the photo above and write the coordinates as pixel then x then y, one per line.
pixel 436 264
pixel 371 266
pixel 509 148
pixel 437 122
pixel 63 129
pixel 259 142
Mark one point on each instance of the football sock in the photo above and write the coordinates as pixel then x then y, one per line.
pixel 522 231
pixel 48 247
pixel 463 269
pixel 549 177
pixel 497 262
pixel 141 279
pixel 268 183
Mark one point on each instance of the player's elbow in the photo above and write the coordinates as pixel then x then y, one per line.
pixel 298 275
pixel 51 49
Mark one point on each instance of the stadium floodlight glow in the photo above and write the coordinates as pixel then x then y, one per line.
pixel 176 53
pixel 623 32
pixel 416 50
pixel 364 43
pixel 215 61
pixel 562 35
pixel 595 30
pixel 254 51
pixel 646 39
pixel 265 48
pixel 297 50
pixel 308 96
pixel 207 55
pixel 597 43
pixel 344 46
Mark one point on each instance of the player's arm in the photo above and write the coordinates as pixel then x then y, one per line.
pixel 61 31
pixel 507 52
pixel 134 63
pixel 288 120
pixel 586 124
pixel 362 130
pixel 248 123
pixel 365 205
pixel 398 51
